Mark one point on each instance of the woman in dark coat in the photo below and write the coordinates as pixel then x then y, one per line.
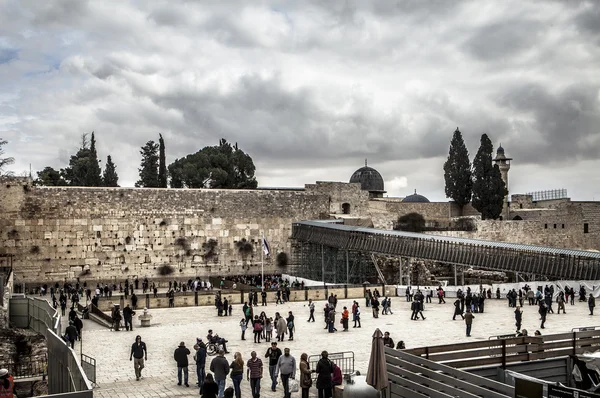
pixel 324 370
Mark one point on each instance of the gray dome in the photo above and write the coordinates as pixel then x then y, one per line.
pixel 415 198
pixel 369 178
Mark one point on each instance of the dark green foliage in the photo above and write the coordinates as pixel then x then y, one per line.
pixel 110 177
pixel 411 222
pixel 49 178
pixel 457 171
pixel 223 166
pixel 94 173
pixel 83 169
pixel 162 163
pixel 488 188
pixel 282 259
pixel 149 166
pixel 4 161
pixel 165 270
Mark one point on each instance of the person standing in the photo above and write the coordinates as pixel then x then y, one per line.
pixel 356 315
pixel 561 302
pixel 286 367
pixel 281 327
pixel 518 318
pixel 181 357
pixel 237 373
pixel 311 307
pixel 140 353
pixel 290 325
pixel 457 310
pixel 210 389
pixel 543 310
pixel 591 303
pixel 134 301
pixel 273 353
pixel 305 375
pixel 324 371
pixel 243 326
pixel 220 367
pixel 263 296
pixel 200 359
pixel 7 384
pixel 71 333
pixel 254 373
pixel 469 321
pixel 387 340
pixel 345 318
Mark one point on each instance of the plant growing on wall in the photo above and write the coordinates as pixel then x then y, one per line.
pixel 35 250
pixel 13 234
pixel 282 259
pixel 165 269
pixel 411 222
pixel 182 243
pixel 210 249
pixel 244 248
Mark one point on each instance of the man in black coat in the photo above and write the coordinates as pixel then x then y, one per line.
pixel 181 357
pixel 324 370
pixel 71 333
pixel 128 314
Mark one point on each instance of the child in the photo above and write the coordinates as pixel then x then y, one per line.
pixel 230 308
pixel 269 329
pixel 243 326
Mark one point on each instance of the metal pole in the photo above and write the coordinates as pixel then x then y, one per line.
pixel 262 261
pixel 347 269
pixel 455 277
pixel 323 264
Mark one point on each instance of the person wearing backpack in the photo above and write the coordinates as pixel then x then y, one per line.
pixel 324 381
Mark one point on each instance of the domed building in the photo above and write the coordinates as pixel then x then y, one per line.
pixel 370 180
pixel 415 198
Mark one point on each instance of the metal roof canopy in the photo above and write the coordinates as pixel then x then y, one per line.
pixel 568 264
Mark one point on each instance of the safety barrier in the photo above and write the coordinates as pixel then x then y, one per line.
pixel 345 360
pixel 28 367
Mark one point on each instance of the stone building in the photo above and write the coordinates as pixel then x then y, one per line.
pixel 58 233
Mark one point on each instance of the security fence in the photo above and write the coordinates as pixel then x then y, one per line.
pixel 345 360
pixel 27 367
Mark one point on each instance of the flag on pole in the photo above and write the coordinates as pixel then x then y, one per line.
pixel 265 246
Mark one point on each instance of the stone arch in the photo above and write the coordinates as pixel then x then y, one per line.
pixel 517 218
pixel 346 208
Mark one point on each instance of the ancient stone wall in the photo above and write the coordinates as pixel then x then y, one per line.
pixel 102 233
pixel 344 197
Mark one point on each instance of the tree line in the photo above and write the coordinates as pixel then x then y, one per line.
pixel 223 166
pixel 479 183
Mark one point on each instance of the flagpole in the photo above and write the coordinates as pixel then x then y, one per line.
pixel 262 261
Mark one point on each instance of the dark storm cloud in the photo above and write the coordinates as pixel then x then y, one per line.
pixel 503 40
pixel 566 122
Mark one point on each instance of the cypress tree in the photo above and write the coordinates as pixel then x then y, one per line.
pixel 93 172
pixel 149 166
pixel 110 177
pixel 487 182
pixel 457 171
pixel 162 163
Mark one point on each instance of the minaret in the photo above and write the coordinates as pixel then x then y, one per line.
pixel 504 164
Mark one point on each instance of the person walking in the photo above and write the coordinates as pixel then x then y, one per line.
pixel 254 373
pixel 237 373
pixel 71 333
pixel 305 375
pixel 324 371
pixel 311 308
pixel 139 352
pixel 281 328
pixel 181 357
pixel 457 310
pixel 220 367
pixel 543 310
pixel 518 318
pixel 200 359
pixel 273 353
pixel 286 368
pixel 561 302
pixel 243 326
pixel 469 321
pixel 128 314
pixel 591 303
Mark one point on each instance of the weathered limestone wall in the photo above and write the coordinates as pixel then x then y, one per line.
pixel 341 193
pixel 56 233
pixel 385 213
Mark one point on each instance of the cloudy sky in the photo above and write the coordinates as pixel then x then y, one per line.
pixel 309 88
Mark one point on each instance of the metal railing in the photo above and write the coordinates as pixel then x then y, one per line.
pixel 89 367
pixel 345 360
pixel 28 367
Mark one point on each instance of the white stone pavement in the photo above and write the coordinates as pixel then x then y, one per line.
pixel 115 375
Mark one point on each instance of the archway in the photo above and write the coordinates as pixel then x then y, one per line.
pixel 346 208
pixel 517 218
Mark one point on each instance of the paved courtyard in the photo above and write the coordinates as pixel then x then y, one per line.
pixel 115 375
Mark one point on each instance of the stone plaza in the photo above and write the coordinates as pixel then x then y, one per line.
pixel 115 375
